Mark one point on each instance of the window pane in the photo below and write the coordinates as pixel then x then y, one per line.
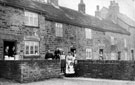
pixel 36 49
pixel 36 21
pixel 125 43
pixel 27 49
pixel 26 20
pixel 88 53
pixel 32 47
pixel 88 33
pixel 31 50
pixel 59 29
pixel 31 19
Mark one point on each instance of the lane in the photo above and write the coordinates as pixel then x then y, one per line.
pixel 72 81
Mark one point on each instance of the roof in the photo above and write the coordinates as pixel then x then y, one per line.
pixel 64 15
pixel 126 19
pixel 120 16
pixel 110 26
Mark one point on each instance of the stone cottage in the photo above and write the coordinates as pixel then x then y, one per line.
pixel 125 44
pixel 35 26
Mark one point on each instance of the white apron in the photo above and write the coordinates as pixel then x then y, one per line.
pixel 70 65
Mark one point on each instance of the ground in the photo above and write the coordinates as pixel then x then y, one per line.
pixel 71 81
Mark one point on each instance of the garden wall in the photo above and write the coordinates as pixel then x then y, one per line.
pixel 29 71
pixel 120 70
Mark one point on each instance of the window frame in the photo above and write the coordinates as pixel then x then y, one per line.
pixel 31 16
pixel 88 33
pixel 59 29
pixel 88 53
pixel 29 44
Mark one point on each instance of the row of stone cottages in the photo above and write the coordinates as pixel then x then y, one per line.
pixel 112 13
pixel 35 27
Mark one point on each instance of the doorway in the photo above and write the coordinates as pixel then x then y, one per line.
pixel 9 48
pixel 119 55
pixel 132 54
pixel 101 52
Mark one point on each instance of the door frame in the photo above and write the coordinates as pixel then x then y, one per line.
pixel 4 40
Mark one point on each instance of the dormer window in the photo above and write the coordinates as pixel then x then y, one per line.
pixel 31 19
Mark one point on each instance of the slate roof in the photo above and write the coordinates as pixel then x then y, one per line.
pixel 110 25
pixel 66 15
pixel 126 19
pixel 120 16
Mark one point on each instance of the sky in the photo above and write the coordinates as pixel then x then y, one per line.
pixel 127 7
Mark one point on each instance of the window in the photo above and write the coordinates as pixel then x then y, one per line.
pixel 31 19
pixel 59 29
pixel 112 40
pixel 88 53
pixel 125 43
pixel 31 48
pixel 88 33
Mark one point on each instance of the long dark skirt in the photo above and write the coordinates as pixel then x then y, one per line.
pixel 63 66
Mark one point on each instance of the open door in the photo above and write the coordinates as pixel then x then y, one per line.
pixel 9 49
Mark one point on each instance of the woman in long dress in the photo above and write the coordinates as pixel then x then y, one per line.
pixel 70 64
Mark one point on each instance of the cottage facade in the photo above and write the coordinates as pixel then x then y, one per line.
pixel 125 44
pixel 33 28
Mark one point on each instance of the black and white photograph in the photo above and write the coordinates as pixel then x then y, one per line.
pixel 67 42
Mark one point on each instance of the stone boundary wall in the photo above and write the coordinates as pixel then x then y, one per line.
pixel 29 71
pixel 119 70
pixel 10 70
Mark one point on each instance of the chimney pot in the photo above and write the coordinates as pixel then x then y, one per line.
pixel 97 7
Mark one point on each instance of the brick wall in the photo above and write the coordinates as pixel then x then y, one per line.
pixel 121 70
pixel 29 71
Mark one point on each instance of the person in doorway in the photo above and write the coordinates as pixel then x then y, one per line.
pixel 119 55
pixel 13 51
pixel 101 55
pixel 6 53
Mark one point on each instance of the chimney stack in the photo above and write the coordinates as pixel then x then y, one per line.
pixel 97 7
pixel 81 7
pixel 114 7
pixel 97 12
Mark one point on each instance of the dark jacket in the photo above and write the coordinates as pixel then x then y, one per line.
pixel 49 55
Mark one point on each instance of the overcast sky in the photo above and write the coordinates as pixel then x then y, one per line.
pixel 127 7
